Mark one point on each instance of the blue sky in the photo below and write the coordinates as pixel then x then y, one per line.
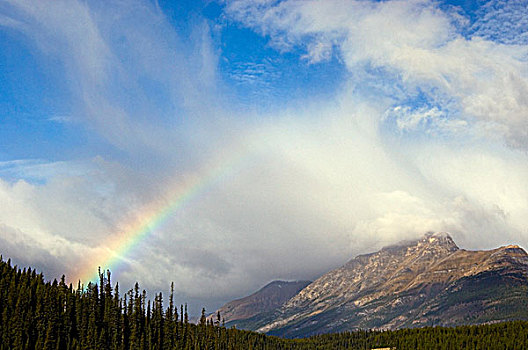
pixel 39 105
pixel 361 123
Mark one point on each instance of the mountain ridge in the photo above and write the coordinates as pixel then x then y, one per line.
pixel 266 299
pixel 429 281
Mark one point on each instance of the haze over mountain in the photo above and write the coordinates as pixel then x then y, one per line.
pixel 425 282
pixel 270 297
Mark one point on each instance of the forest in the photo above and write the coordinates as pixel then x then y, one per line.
pixel 40 314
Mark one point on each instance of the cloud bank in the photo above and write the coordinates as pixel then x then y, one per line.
pixel 428 132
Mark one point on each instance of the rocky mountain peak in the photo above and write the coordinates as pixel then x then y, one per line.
pixel 442 239
pixel 438 243
pixel 424 250
pixel 418 282
pixel 431 240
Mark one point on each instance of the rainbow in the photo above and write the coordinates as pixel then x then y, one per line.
pixel 114 250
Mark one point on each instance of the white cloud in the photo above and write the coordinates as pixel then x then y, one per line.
pixel 318 51
pixel 502 20
pixel 38 170
pixel 315 188
pixel 416 44
pixel 130 74
pixel 312 186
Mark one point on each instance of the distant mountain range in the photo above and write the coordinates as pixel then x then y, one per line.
pixel 425 282
pixel 240 312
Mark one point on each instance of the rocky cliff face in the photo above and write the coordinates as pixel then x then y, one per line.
pixel 425 282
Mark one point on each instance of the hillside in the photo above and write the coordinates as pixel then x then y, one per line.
pixel 425 282
pixel 269 298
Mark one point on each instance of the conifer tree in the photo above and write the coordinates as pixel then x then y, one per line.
pixel 35 314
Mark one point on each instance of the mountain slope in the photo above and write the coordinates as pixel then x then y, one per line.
pixel 240 312
pixel 426 282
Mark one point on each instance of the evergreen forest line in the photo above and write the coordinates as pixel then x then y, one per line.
pixel 40 314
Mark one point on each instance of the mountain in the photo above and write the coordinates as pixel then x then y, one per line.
pixel 241 312
pixel 425 282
